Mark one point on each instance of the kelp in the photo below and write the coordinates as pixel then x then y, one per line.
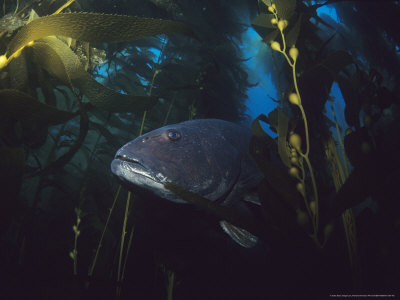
pixel 374 160
pixel 336 62
pixel 26 120
pixel 293 34
pixel 321 66
pixel 58 59
pixel 12 163
pixel 66 157
pixel 279 123
pixel 367 178
pixel 280 201
pixel 23 107
pixel 263 26
pixel 256 127
pixel 325 72
pixel 286 8
pixel 108 136
pixel 18 73
pixel 94 28
pixel 283 125
pixel 362 91
pixel 263 21
pixel 262 148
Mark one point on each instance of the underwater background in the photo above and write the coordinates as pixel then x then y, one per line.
pixel 317 82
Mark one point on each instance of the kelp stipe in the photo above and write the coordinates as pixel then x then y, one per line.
pixel 121 248
pixel 294 139
pixel 277 20
pixel 74 253
pixel 339 176
pixel 100 243
pixel 125 246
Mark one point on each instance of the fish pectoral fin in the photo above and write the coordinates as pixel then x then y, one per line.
pixel 252 198
pixel 239 235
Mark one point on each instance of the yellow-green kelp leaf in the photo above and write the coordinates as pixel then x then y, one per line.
pixel 59 60
pixel 274 173
pixel 257 128
pixel 285 8
pixel 293 34
pixel 283 123
pixel 95 28
pixel 23 107
pixel 264 20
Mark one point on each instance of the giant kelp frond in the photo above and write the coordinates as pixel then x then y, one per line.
pixel 325 72
pixel 58 59
pixel 286 8
pixel 31 113
pixel 25 108
pixel 265 24
pixel 293 34
pixel 93 27
pixel 67 156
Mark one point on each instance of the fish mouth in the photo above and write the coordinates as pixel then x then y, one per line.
pixel 135 175
pixel 129 159
pixel 139 168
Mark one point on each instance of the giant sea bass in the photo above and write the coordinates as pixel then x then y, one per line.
pixel 208 157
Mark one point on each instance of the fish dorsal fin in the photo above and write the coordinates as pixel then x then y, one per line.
pixel 239 235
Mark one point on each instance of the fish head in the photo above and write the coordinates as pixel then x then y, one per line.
pixel 194 157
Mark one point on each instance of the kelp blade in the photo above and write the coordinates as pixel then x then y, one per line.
pixel 58 59
pixel 23 107
pixel 95 28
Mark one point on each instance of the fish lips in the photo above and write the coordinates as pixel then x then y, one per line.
pixel 134 174
pixel 126 167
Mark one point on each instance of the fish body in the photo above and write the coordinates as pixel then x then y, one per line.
pixel 206 156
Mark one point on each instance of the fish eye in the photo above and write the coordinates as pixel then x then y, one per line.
pixel 173 135
pixel 145 139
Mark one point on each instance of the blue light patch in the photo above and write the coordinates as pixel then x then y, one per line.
pixel 339 106
pixel 328 10
pixel 259 97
